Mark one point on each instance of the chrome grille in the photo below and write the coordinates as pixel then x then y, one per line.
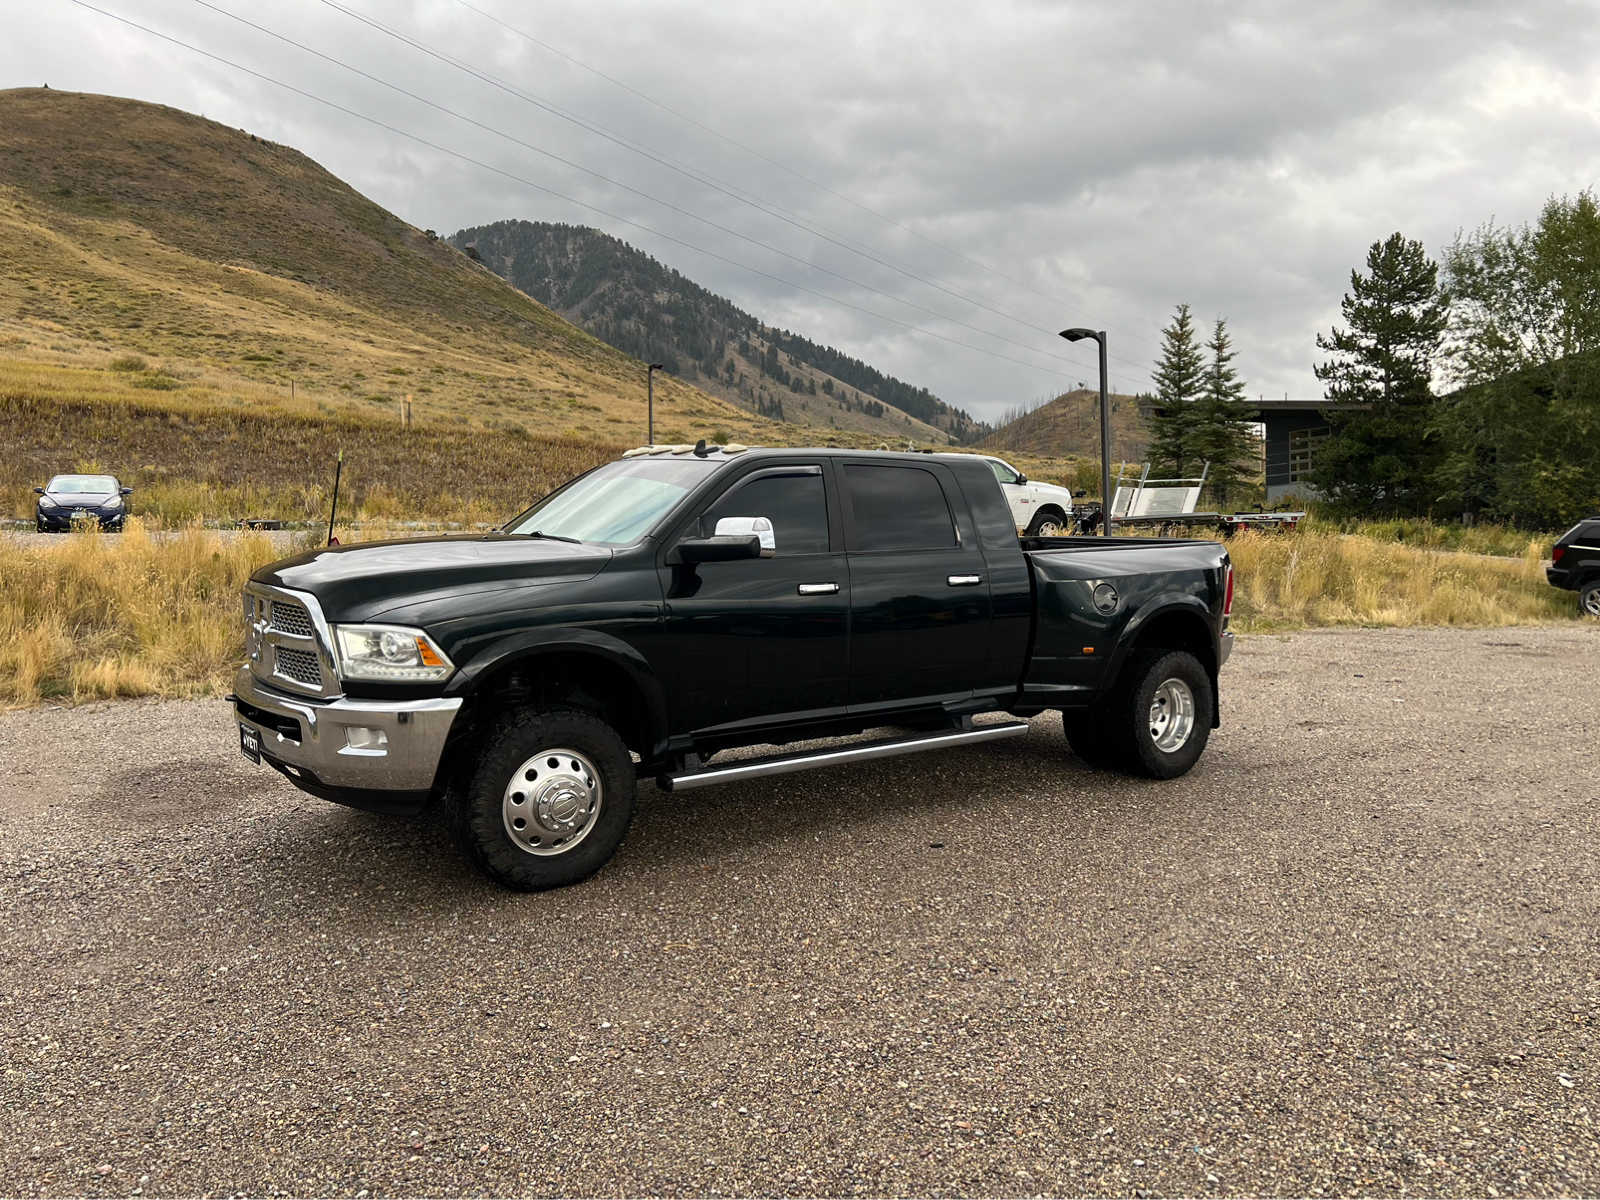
pixel 291 618
pixel 286 640
pixel 299 665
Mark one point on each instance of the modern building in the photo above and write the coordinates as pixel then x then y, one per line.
pixel 1291 430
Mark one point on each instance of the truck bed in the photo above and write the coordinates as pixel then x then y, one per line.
pixel 1087 589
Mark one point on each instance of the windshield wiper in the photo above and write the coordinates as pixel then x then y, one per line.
pixel 553 537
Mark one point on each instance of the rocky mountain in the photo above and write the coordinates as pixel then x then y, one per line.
pixel 630 301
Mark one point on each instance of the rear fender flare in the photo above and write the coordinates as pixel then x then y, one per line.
pixel 1197 618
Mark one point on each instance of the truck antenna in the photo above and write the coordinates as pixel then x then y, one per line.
pixel 338 469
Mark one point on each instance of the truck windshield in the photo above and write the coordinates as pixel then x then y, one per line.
pixel 616 504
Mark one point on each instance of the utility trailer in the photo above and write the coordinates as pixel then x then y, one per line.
pixel 1144 503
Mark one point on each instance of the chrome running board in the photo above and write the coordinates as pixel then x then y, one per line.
pixel 806 760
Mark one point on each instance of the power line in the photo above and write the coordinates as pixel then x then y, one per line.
pixel 688 173
pixel 463 117
pixel 726 189
pixel 479 163
pixel 753 152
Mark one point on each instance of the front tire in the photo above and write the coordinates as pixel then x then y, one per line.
pixel 1589 599
pixel 550 801
pixel 1158 716
pixel 1047 523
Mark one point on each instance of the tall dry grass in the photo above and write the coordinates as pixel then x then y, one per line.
pixel 1319 578
pixel 93 615
pixel 1482 538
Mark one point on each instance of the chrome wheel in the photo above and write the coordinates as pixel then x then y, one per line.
pixel 1049 527
pixel 552 802
pixel 1171 715
pixel 1590 601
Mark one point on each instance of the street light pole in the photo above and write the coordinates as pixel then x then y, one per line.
pixel 1099 335
pixel 650 403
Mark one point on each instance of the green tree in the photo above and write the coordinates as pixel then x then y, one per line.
pixel 1382 458
pixel 1523 430
pixel 1222 432
pixel 1179 378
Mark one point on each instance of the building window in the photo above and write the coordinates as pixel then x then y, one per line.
pixel 1303 445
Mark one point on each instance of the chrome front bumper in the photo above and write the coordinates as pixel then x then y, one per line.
pixel 313 737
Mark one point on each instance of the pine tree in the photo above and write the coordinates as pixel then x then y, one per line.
pixel 1179 378
pixel 1381 459
pixel 1223 435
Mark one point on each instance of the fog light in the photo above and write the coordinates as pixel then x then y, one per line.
pixel 359 737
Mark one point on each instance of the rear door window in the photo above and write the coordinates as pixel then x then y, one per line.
pixel 897 508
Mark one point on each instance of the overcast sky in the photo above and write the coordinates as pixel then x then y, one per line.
pixel 1032 165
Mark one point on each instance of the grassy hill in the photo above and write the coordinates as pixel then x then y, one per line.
pixel 633 302
pixel 1069 425
pixel 215 265
pixel 211 316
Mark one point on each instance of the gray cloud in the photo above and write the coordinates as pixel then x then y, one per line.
pixel 1106 161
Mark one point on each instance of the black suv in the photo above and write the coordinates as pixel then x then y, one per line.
pixel 1575 564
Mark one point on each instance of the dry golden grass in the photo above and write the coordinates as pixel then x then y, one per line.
pixel 1311 578
pixel 91 616
pixel 1482 538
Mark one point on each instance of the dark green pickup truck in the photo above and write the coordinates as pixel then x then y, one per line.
pixel 682 602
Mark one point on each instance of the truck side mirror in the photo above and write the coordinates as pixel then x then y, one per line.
pixel 1021 478
pixel 38 491
pixel 719 549
pixel 1079 494
pixel 127 491
pixel 745 526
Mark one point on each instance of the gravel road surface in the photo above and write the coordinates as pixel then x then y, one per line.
pixel 1355 950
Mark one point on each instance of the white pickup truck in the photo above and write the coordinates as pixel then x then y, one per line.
pixel 1038 509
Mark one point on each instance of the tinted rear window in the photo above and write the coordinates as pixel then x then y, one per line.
pixel 898 508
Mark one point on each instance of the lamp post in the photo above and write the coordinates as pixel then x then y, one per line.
pixel 1077 335
pixel 650 402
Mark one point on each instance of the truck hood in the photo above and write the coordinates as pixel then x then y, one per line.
pixel 363 581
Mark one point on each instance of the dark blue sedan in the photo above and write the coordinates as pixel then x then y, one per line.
pixel 69 498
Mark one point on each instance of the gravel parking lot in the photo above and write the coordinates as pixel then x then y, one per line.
pixel 1354 951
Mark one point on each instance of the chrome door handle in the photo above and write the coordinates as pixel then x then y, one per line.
pixel 964 580
pixel 819 589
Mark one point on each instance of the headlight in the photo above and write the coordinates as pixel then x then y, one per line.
pixel 46 502
pixel 389 654
pixel 114 503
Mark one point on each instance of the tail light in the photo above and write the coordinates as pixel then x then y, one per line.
pixel 1227 595
pixel 1556 554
